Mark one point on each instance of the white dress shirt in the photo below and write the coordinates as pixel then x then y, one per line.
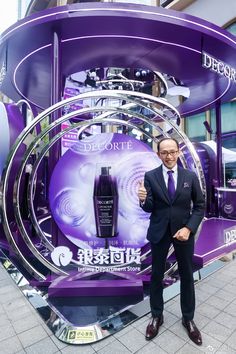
pixel 166 176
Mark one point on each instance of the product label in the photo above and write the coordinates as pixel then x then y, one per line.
pixel 104 210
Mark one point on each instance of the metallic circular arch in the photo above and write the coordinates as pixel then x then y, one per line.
pixel 121 95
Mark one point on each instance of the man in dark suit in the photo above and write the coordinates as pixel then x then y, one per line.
pixel 174 198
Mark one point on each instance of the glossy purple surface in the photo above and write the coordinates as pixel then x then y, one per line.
pixel 103 288
pixel 115 34
pixel 211 243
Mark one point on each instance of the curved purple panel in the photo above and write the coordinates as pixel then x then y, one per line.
pixel 115 34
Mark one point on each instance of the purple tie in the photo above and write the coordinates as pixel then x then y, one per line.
pixel 171 184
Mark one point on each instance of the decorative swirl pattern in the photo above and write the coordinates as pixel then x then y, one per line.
pixel 69 209
pixel 128 184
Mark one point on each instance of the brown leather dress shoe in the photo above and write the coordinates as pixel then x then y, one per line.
pixel 153 327
pixel 193 332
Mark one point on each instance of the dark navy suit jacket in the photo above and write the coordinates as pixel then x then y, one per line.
pixel 186 209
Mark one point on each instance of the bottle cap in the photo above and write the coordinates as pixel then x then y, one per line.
pixel 105 171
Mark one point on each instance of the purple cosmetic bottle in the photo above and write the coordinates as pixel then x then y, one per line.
pixel 105 197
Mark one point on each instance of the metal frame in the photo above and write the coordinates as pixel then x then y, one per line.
pixel 135 99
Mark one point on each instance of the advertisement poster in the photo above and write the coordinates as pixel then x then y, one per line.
pixel 93 198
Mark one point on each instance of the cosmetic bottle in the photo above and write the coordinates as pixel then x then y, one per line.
pixel 105 198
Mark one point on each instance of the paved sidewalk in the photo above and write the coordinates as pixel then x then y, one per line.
pixel 23 331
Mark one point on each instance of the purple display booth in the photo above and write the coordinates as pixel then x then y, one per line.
pixel 99 80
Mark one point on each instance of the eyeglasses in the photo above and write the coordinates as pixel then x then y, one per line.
pixel 166 153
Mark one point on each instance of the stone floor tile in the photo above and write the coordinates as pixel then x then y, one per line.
pixel 46 328
pixel 179 330
pixel 226 320
pixel 210 289
pixel 7 289
pixel 60 345
pixel 15 304
pixel 23 311
pixel 225 349
pixel 151 348
pixel 134 340
pixel 15 294
pixel 171 302
pixel 231 341
pixel 5 281
pixel 201 296
pixel 136 323
pixel 218 283
pixel 2 310
pixel 32 336
pixel 4 320
pixel 230 288
pixel 189 349
pixel 224 277
pixel 208 310
pixel 6 332
pixel 169 319
pixel 102 343
pixel 25 323
pixel 231 308
pixel 223 294
pixel 217 302
pixel 115 347
pixel 10 346
pixel 78 349
pixel 217 331
pixel 44 346
pixel 218 335
pixel 174 308
pixel 123 331
pixel 209 344
pixel 3 273
pixel 200 320
pixel 169 342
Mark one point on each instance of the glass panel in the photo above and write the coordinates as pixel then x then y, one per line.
pixel 232 28
pixel 195 128
pixel 229 161
pixel 228 118
pixel 228 114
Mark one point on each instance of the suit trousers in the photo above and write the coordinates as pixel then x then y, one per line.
pixel 184 254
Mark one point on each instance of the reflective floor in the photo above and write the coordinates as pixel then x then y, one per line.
pixel 90 319
pixel 23 330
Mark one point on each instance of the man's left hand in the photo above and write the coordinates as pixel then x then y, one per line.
pixel 182 234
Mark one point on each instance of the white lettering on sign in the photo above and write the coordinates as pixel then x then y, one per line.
pixel 115 256
pixel 121 145
pixel 230 236
pixel 218 66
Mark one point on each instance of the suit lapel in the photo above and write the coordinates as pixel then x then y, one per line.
pixel 160 180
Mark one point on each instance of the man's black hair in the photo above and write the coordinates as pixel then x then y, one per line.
pixel 163 139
